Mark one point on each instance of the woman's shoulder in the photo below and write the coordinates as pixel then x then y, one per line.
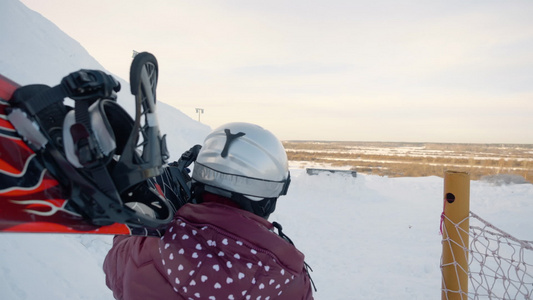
pixel 236 227
pixel 217 250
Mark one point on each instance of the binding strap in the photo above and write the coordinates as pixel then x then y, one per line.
pixel 80 85
pixel 179 171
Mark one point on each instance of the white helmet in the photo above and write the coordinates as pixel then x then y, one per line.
pixel 245 159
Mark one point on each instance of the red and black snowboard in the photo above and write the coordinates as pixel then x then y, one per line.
pixel 32 199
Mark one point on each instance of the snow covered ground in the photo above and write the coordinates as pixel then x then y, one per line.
pixel 367 237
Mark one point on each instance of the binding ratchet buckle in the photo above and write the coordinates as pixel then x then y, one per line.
pixel 90 85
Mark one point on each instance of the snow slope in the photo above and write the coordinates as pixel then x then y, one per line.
pixel 368 237
pixel 34 50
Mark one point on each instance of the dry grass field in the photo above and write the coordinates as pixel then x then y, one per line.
pixel 415 159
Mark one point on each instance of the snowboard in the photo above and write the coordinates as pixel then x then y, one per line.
pixel 35 198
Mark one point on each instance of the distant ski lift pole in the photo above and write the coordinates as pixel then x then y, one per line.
pixel 199 111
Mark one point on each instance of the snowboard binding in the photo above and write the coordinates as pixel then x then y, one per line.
pixel 96 150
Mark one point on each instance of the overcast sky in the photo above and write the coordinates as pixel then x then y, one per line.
pixel 419 71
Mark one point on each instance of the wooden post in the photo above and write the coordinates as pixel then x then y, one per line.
pixel 455 238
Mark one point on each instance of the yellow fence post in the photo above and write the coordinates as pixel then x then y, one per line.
pixel 455 238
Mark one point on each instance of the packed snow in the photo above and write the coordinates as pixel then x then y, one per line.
pixel 367 237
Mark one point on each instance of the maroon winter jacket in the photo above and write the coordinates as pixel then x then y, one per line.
pixel 209 251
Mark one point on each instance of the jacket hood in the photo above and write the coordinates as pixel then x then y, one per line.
pixel 234 256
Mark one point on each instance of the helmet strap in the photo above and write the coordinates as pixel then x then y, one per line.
pixel 262 208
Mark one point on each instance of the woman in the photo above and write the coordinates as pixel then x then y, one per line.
pixel 222 245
